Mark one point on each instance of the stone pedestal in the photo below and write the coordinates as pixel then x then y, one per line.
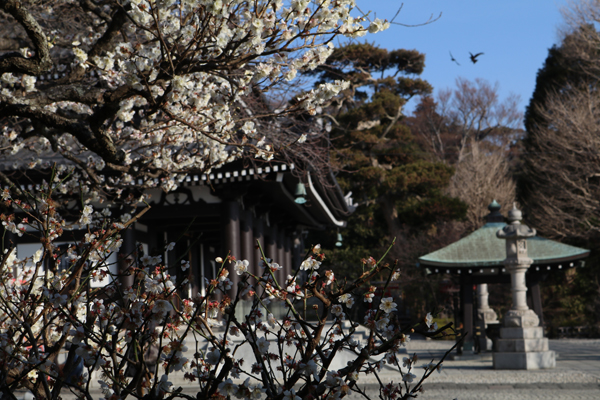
pixel 523 348
pixel 525 360
pixel 522 344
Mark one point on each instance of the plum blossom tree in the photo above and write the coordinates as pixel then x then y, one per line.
pixel 134 340
pixel 135 94
pixel 139 92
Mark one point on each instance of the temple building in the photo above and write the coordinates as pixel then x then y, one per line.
pixel 224 212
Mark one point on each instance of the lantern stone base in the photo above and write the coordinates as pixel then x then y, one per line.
pixel 521 345
pixel 523 348
pixel 523 360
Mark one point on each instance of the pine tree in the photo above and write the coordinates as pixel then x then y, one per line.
pixel 398 188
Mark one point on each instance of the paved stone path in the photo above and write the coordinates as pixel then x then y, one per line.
pixel 576 376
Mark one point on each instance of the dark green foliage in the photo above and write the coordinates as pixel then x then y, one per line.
pixel 435 208
pixel 400 191
pixel 348 62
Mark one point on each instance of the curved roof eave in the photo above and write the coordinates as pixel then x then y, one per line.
pixel 483 249
pixel 315 195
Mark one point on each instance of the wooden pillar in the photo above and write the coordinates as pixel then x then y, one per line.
pixel 207 267
pixel 297 249
pixel 282 276
pixel 466 283
pixel 288 255
pixel 127 257
pixel 247 240
pixel 231 244
pixel 271 245
pixel 259 235
pixel 194 271
pixel 170 256
pixel 190 256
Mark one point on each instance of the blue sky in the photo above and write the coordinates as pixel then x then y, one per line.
pixel 514 35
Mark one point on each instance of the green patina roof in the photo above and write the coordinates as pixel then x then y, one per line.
pixel 482 248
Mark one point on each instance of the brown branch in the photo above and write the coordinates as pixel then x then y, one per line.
pixel 84 94
pixel 99 143
pixel 95 9
pixel 115 26
pixel 15 62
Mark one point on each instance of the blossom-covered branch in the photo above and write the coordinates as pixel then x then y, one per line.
pixel 155 89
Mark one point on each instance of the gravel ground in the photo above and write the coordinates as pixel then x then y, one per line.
pixel 577 375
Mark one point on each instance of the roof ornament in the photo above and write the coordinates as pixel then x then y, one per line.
pixel 495 215
pixel 515 230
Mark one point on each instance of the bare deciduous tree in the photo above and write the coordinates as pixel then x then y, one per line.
pixel 483 175
pixel 473 111
pixel 472 129
pixel 563 174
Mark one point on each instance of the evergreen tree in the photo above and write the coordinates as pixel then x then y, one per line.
pixel 567 67
pixel 559 184
pixel 400 191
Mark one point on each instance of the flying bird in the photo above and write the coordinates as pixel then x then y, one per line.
pixel 452 58
pixel 474 57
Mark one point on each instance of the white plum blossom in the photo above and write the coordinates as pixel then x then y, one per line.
pixel 382 323
pixel 185 265
pixel 164 384
pixel 263 345
pixel 310 263
pixel 310 368
pixel 241 267
pixel 225 284
pixel 29 83
pixel 428 319
pixel 227 387
pixel 162 307
pixel 257 392
pixel 330 277
pixel 19 229
pixel 86 215
pixel 347 300
pixel 387 305
pixel 337 310
pixel 408 377
pixel 272 320
pixel 378 25
pixel 333 379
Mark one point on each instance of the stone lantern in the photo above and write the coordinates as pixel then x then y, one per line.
pixel 522 344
